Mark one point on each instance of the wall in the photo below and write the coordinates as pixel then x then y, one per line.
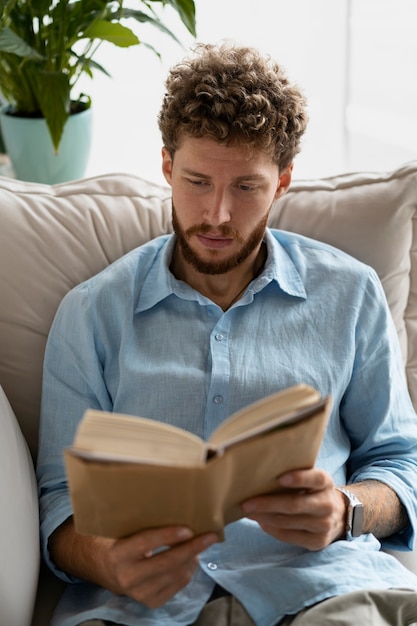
pixel 331 48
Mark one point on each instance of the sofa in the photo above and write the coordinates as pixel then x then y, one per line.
pixel 54 237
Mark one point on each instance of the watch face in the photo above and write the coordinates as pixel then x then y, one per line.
pixel 357 519
pixel 355 514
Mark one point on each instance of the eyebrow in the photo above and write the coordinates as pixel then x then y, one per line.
pixel 244 177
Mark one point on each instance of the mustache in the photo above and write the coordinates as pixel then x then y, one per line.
pixel 203 229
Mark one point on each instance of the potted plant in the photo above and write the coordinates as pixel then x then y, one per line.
pixel 46 45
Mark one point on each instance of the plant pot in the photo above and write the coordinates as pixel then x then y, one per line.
pixel 31 152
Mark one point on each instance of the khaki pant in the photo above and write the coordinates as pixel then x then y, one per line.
pixel 394 607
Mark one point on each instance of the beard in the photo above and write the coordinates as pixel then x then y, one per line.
pixel 247 246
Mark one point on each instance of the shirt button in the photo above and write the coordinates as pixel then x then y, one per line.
pixel 218 399
pixel 219 337
pixel 212 566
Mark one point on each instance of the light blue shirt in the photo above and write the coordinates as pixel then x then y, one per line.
pixel 136 340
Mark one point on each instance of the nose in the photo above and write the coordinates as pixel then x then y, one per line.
pixel 218 209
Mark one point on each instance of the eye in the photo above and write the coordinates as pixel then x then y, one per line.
pixel 197 182
pixel 244 187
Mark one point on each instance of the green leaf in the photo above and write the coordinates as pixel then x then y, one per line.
pixel 142 17
pixel 6 7
pixel 53 94
pixel 88 64
pixel 10 42
pixel 186 11
pixel 109 31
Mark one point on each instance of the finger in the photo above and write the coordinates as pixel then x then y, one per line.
pixel 156 590
pixel 185 550
pixel 144 543
pixel 304 539
pixel 163 575
pixel 313 479
pixel 316 504
pixel 289 503
pixel 309 523
pixel 313 526
pixel 300 483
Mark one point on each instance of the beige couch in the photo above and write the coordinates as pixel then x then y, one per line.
pixel 51 238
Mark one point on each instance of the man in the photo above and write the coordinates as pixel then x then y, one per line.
pixel 191 327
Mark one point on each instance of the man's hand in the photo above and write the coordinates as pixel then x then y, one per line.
pixel 309 512
pixel 154 578
pixel 150 566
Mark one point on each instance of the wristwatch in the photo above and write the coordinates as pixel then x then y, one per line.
pixel 354 516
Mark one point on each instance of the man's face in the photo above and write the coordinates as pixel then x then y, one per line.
pixel 221 201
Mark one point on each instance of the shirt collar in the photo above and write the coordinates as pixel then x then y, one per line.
pixel 160 283
pixel 280 268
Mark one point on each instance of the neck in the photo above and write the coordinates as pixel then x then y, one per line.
pixel 223 289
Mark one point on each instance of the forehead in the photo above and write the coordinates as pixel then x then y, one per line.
pixel 206 155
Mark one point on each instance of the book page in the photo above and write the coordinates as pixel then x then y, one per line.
pixel 114 436
pixel 275 410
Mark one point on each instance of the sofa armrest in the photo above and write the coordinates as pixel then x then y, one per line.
pixel 19 523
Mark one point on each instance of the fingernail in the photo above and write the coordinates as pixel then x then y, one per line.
pixel 286 480
pixel 184 533
pixel 210 539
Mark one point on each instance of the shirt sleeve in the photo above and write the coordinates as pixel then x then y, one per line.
pixel 72 382
pixel 377 411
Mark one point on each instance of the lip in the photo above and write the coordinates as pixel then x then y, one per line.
pixel 215 242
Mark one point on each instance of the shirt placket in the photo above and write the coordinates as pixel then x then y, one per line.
pixel 218 388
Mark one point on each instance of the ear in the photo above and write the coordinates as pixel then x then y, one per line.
pixel 167 165
pixel 284 181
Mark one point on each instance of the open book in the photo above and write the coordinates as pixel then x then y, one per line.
pixel 128 473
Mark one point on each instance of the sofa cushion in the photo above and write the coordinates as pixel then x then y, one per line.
pixel 373 217
pixel 53 237
pixel 19 523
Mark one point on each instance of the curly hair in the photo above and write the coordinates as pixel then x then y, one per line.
pixel 234 95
